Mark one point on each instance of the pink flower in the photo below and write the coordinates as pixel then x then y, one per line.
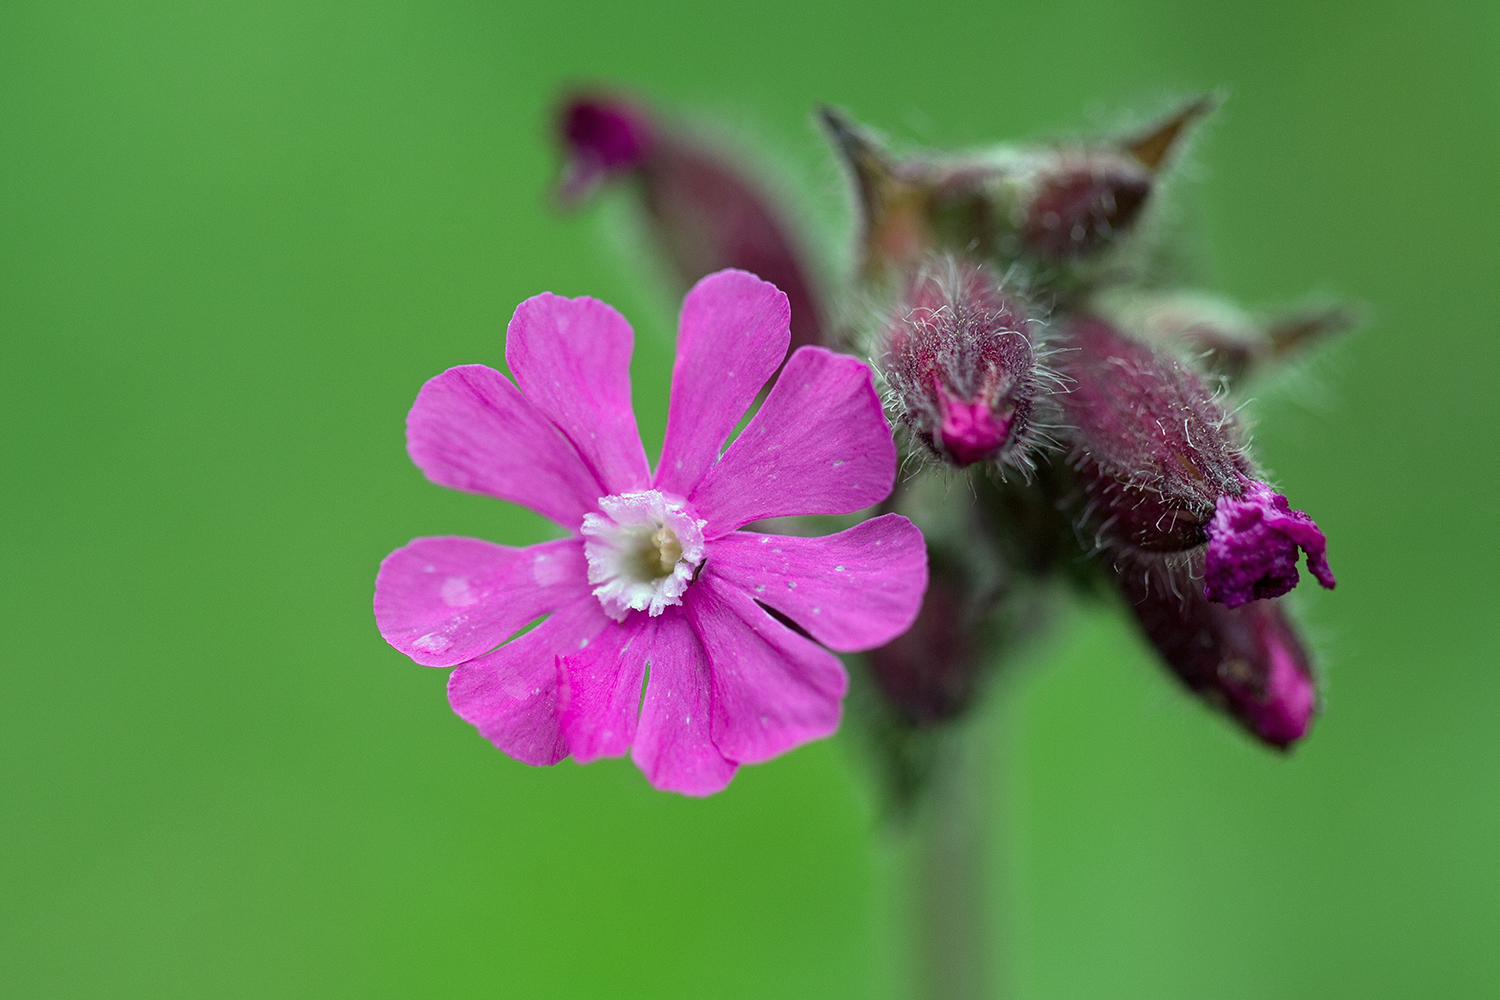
pixel 655 573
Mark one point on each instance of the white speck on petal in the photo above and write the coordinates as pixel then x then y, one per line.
pixel 432 642
pixel 545 570
pixel 838 569
pixel 456 592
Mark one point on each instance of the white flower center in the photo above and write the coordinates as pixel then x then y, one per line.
pixel 642 552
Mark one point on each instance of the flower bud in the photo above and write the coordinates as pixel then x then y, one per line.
pixel 603 138
pixel 1229 341
pixel 1075 203
pixel 1247 660
pixel 1163 470
pixel 1044 206
pixel 930 673
pixel 961 366
pixel 1154 450
pixel 704 213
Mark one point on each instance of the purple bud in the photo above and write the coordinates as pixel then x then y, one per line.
pixel 960 365
pixel 1163 471
pixel 929 673
pixel 1246 660
pixel 1252 547
pixel 1083 200
pixel 602 138
pixel 1080 204
pixel 1154 450
pixel 703 211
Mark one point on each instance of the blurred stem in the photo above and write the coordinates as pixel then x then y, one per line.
pixel 951 899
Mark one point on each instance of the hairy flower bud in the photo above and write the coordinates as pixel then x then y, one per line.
pixel 1078 203
pixel 1247 661
pixel 1040 205
pixel 1154 450
pixel 1163 471
pixel 704 213
pixel 961 365
pixel 1229 341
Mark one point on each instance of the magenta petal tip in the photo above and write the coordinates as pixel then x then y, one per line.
pixel 1253 543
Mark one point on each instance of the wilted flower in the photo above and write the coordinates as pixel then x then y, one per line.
pixel 1252 547
pixel 655 571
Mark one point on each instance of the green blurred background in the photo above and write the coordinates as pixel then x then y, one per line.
pixel 234 240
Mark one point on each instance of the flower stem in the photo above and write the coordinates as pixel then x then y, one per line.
pixel 946 901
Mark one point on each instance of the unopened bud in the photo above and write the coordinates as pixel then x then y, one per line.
pixel 1073 203
pixel 1079 203
pixel 929 674
pixel 704 213
pixel 1163 469
pixel 1042 206
pixel 602 138
pixel 1229 341
pixel 1154 450
pixel 1247 661
pixel 961 366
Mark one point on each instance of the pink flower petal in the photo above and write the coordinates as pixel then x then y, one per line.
pixel 851 591
pixel 510 696
pixel 772 689
pixel 571 358
pixel 731 336
pixel 472 430
pixel 673 747
pixel 599 689
pixel 445 600
pixel 819 445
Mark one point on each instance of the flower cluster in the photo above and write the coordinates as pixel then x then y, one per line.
pixel 1007 313
pixel 1015 308
pixel 656 584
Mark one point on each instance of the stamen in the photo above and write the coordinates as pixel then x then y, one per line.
pixel 643 552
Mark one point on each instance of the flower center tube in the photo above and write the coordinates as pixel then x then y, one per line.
pixel 643 551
